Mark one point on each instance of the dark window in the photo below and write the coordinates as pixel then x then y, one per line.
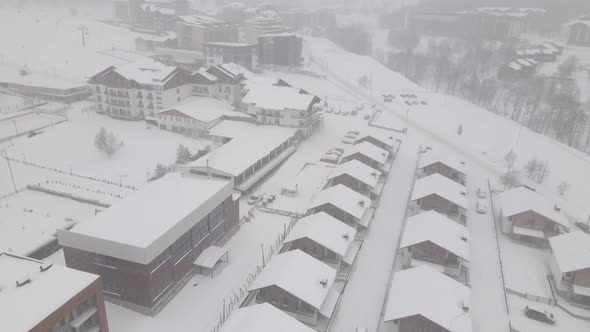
pixel 111 286
pixel 159 260
pixel 199 231
pixel 181 247
pixel 105 260
pixel 216 217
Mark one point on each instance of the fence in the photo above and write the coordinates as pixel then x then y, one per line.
pixel 532 297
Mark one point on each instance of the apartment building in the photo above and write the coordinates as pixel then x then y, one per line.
pixel 217 53
pixel 43 297
pixel 280 49
pixel 144 246
pixel 139 90
pixel 194 30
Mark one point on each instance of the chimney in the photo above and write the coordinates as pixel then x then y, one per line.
pixel 465 306
pixel 45 266
pixel 324 282
pixel 346 236
pixel 464 238
pixel 23 281
pixel 557 208
pixel 362 203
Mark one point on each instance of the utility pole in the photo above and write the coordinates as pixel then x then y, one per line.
pixel 5 155
pixel 84 30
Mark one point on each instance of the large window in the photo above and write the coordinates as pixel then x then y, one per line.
pixel 111 286
pixel 216 217
pixel 181 247
pixel 162 284
pixel 199 231
pixel 159 260
pixel 105 260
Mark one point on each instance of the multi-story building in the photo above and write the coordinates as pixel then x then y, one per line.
pixel 44 297
pixel 194 30
pixel 218 53
pixel 261 25
pixel 579 32
pixel 222 81
pixel 282 49
pixel 283 106
pixel 144 247
pixel 137 91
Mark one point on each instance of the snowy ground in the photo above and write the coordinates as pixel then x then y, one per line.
pixel 10 103
pixel 69 147
pixel 564 322
pixel 199 304
pixel 26 123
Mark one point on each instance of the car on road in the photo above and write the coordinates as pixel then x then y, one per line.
pixel 254 199
pixel 345 113
pixel 482 193
pixel 539 314
pixel 481 206
pixel 366 117
pixel 347 140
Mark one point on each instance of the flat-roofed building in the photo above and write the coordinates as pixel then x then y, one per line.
pixel 144 246
pixel 244 54
pixel 38 297
pixel 194 30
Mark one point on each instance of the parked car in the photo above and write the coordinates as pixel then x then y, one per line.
pixel 366 117
pixel 481 206
pixel 354 113
pixel 540 314
pixel 347 140
pixel 415 102
pixel 331 159
pixel 254 199
pixel 482 193
pixel 270 198
pixel 337 111
pixel 345 113
pixel 329 110
pixel 423 103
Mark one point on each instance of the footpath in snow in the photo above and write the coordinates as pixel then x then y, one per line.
pixel 364 294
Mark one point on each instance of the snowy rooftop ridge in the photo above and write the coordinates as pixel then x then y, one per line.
pixel 141 226
pixel 441 186
pixel 343 198
pixel 431 158
pixel 384 138
pixel 205 109
pixel 262 317
pixel 357 170
pixel 146 72
pixel 571 251
pixel 438 229
pixel 278 97
pixel 299 274
pixel 431 294
pixel 368 149
pixel 521 199
pixel 325 230
pixel 24 307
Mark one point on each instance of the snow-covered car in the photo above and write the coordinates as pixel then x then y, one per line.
pixel 347 140
pixel 481 206
pixel 351 136
pixel 345 113
pixel 366 117
pixel 331 159
pixel 334 152
pixel 337 111
pixel 482 193
pixel 539 314
pixel 254 199
pixel 329 110
pixel 269 198
pixel 354 113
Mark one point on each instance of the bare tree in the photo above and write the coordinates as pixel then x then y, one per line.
pixel 510 160
pixel 107 142
pixel 532 167
pixel 544 171
pixel 563 187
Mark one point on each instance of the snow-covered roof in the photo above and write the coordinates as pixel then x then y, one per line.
pixel 146 72
pixel 386 139
pixel 357 170
pixel 251 144
pixel 515 66
pixel 369 150
pixel 166 35
pixel 438 229
pixel 234 70
pixel 145 223
pixel 441 186
pixel 278 97
pixel 521 199
pixel 571 251
pixel 229 44
pixel 325 230
pixel 431 158
pixel 431 294
pixel 24 307
pixel 210 256
pixel 299 274
pixel 205 109
pixel 262 317
pixel 343 198
pixel 200 20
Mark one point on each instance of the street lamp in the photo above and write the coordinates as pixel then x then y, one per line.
pixel 5 155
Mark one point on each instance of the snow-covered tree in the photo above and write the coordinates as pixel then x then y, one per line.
pixel 563 187
pixel 160 171
pixel 183 154
pixel 106 141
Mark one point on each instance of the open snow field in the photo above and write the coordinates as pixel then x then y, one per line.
pixel 27 123
pixel 69 147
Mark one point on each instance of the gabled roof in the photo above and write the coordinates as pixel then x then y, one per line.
pixel 381 137
pixel 521 199
pixel 325 230
pixel 262 317
pixel 357 170
pixel 438 229
pixel 431 158
pixel 343 198
pixel 204 109
pixel 441 186
pixel 571 251
pixel 430 294
pixel 298 274
pixel 146 72
pixel 369 150
pixel 24 307
pixel 275 97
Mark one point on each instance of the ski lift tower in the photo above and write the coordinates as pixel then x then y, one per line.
pixel 84 30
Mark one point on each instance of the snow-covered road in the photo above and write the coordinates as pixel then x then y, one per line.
pixel 363 298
